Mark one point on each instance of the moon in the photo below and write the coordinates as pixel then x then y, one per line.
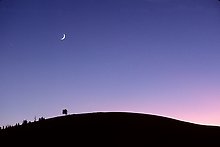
pixel 64 36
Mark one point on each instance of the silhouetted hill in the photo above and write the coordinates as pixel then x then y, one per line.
pixel 111 129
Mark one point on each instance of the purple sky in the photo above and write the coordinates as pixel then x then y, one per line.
pixel 157 57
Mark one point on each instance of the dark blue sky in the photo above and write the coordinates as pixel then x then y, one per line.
pixel 152 56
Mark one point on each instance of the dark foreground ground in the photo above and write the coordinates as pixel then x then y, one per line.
pixel 110 129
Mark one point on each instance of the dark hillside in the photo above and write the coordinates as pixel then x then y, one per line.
pixel 113 129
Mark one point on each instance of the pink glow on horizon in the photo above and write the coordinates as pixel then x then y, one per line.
pixel 203 110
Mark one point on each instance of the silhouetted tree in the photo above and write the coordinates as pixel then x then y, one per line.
pixel 8 126
pixel 41 118
pixel 17 124
pixel 64 111
pixel 24 122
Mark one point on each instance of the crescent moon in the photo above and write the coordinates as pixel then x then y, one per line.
pixel 64 36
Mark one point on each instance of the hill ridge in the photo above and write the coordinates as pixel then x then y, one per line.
pixel 114 127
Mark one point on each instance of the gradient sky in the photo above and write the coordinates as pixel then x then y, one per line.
pixel 157 57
